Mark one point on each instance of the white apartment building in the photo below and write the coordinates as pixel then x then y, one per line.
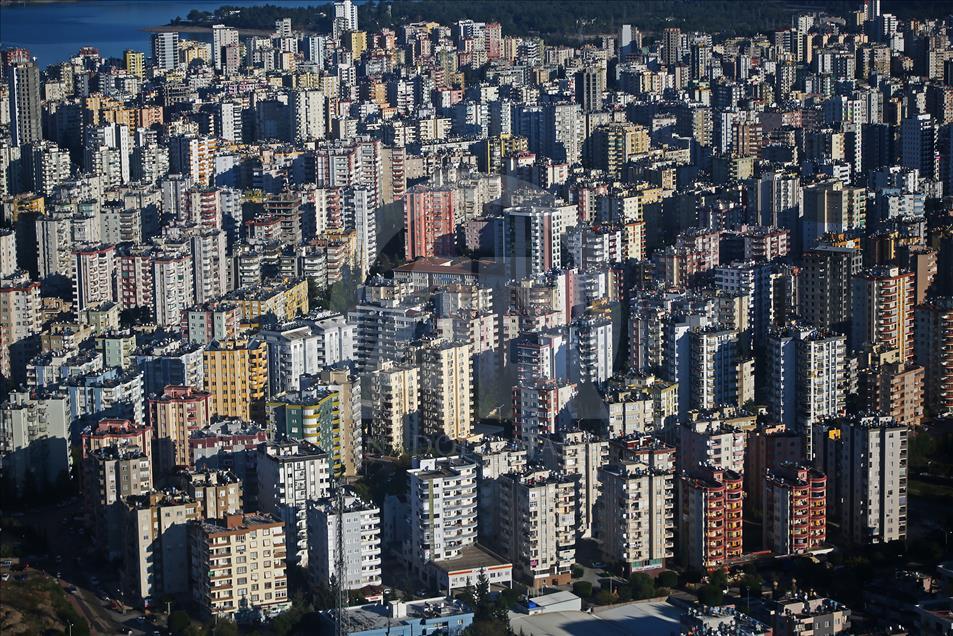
pixel 307 110
pixel 714 374
pixel 222 36
pixel 335 338
pixel 578 453
pixel 541 408
pixel 361 540
pixel 34 436
pixel 156 546
pixel 8 252
pixel 636 512
pixel 172 287
pixel 865 460
pixel 94 276
pixel 54 244
pixel 538 525
pixel 292 352
pixel 806 376
pixel 493 457
pixel 385 322
pixel 208 263
pixel 289 475
pixel 443 510
pixel 712 442
pixel 591 348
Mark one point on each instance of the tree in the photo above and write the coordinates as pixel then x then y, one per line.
pixel 668 578
pixel 179 622
pixel 711 595
pixel 604 597
pixel 582 589
pixel 719 578
pixel 750 585
pixel 225 627
pixel 642 586
pixel 489 615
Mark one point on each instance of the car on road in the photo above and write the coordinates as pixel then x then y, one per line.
pixel 598 565
pixel 4 577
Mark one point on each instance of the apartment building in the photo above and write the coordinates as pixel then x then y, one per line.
pixel 34 437
pixel 809 615
pixel 493 457
pixel 429 218
pixel 238 562
pixel 714 364
pixel 447 390
pixel 635 516
pixel 538 525
pixel 769 446
pixel 289 475
pixel 395 393
pixel 540 409
pixel 173 416
pixel 894 390
pixel 325 415
pixel 110 474
pixel 824 295
pixel 807 376
pixel 112 432
pixel 94 276
pixel 882 301
pixel 711 440
pixel 218 492
pixel 865 460
pixel 934 352
pixel 19 319
pixel 794 509
pixel 710 517
pixel 443 510
pixel 360 532
pixel 155 546
pixel 236 374
pixel 577 452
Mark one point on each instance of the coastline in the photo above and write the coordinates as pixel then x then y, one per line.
pixel 200 29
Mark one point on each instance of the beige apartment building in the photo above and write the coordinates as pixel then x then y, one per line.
pixel 238 561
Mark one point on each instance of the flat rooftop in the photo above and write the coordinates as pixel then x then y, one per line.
pixel 646 618
pixel 471 557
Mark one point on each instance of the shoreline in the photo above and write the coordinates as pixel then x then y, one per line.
pixel 197 28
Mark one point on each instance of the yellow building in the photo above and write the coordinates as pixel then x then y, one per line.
pixel 25 204
pixel 356 41
pixel 616 143
pixel 135 62
pixel 285 300
pixel 191 50
pixel 499 147
pixel 236 374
